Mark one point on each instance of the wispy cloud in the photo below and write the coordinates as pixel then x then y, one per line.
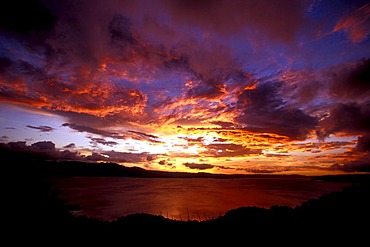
pixel 87 129
pixel 42 128
pixel 356 24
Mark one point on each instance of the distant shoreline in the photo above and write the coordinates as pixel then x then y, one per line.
pixel 87 169
pixel 77 168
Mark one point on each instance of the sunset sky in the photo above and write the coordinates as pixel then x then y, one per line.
pixel 219 86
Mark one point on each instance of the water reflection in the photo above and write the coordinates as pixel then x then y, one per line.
pixel 182 199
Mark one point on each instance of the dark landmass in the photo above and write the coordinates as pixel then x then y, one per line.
pixel 23 161
pixel 84 169
pixel 35 215
pixel 18 159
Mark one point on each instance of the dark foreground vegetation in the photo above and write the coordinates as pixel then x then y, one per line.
pixel 34 215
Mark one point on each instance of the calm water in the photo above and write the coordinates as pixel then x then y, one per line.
pixel 178 198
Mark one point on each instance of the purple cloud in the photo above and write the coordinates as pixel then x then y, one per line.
pixel 351 118
pixel 263 109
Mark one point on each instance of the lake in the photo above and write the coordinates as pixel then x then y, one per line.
pixel 108 198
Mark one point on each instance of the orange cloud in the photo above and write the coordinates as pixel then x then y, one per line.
pixel 98 99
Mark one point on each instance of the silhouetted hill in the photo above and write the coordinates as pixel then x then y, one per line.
pixel 77 168
pixel 15 162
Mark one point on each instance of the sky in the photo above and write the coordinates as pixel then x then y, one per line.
pixel 218 86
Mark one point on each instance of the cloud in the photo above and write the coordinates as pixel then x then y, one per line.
pixel 143 136
pixel 361 165
pixel 71 145
pixel 229 150
pixel 19 16
pixel 277 21
pixel 351 118
pixel 127 157
pixel 198 166
pixel 261 171
pixel 44 146
pixel 3 138
pixel 276 155
pixel 323 146
pixel 363 143
pixel 42 128
pixel 115 135
pixel 356 24
pixel 47 150
pixel 87 129
pixel 350 81
pixel 99 99
pixel 263 109
pixel 39 150
pixel 210 89
pixel 121 70
pixel 102 141
pixel 110 60
pixel 164 162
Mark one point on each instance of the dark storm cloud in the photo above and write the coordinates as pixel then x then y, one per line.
pixel 198 166
pixel 263 109
pixel 278 21
pixel 351 80
pixel 22 17
pixel 42 128
pixel 5 64
pixel 71 145
pixel 361 165
pixel 14 69
pixel 363 143
pixel 351 118
pixel 44 145
pixel 39 150
pixel 210 89
pixel 88 43
pixel 120 31
pixel 47 150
